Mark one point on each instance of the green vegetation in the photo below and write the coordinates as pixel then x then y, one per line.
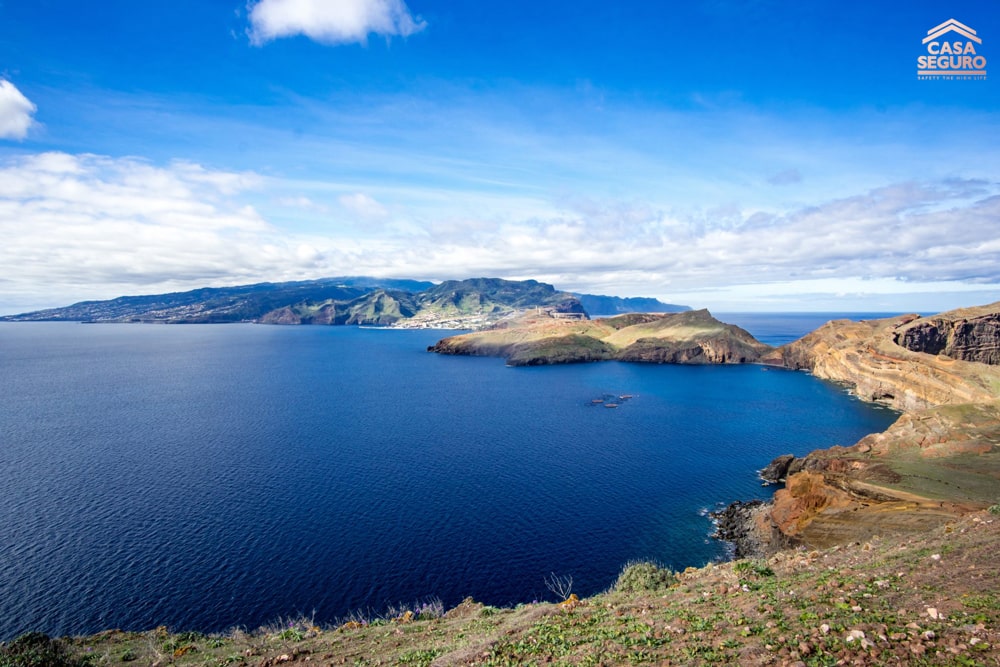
pixel 752 569
pixel 644 577
pixel 35 649
pixel 564 349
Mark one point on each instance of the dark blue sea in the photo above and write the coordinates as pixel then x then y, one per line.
pixel 204 477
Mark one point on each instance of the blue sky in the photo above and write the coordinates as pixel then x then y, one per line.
pixel 734 155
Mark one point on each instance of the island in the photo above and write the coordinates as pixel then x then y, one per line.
pixel 472 303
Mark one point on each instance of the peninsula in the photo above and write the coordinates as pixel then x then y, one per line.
pixel 546 337
pixel 938 461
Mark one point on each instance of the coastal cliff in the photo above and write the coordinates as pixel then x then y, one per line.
pixel 939 460
pixel 541 337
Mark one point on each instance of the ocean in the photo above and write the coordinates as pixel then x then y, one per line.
pixel 205 477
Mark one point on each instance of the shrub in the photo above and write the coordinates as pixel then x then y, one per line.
pixel 755 568
pixel 994 509
pixel 644 576
pixel 36 649
pixel 561 585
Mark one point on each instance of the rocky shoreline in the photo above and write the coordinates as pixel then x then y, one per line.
pixel 939 461
pixel 741 525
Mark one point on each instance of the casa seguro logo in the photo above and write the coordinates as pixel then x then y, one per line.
pixel 952 53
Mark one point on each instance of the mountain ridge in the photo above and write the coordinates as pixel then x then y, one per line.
pixel 347 300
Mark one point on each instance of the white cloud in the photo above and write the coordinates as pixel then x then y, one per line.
pixel 16 112
pixel 88 224
pixel 902 239
pixel 331 22
pixel 363 205
pixel 303 203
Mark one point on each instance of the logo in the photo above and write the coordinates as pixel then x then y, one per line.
pixel 955 59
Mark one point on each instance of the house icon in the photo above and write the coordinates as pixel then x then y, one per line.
pixel 951 25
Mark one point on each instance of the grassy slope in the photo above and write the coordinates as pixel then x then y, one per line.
pixel 932 600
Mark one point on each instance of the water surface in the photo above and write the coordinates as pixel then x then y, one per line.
pixel 208 476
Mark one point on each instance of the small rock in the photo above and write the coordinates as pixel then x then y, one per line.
pixel 856 608
pixel 928 635
pixel 936 557
pixel 804 648
pixel 974 641
pixel 932 612
pixel 854 635
pixel 825 629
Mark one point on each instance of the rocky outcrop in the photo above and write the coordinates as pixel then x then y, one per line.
pixel 747 527
pixel 974 339
pixel 777 469
pixel 283 315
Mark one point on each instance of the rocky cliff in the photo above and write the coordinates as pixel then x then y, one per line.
pixel 867 356
pixel 969 339
pixel 939 459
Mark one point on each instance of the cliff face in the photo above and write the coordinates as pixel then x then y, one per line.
pixel 728 348
pixel 939 459
pixel 865 356
pixel 975 339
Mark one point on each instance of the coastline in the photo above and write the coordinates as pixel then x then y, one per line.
pixel 863 456
pixel 937 462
